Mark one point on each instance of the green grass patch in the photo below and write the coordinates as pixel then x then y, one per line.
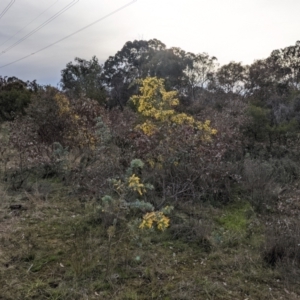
pixel 236 217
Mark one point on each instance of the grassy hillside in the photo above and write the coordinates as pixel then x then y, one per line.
pixel 56 243
pixel 124 186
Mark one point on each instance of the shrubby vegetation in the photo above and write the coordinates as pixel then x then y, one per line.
pixel 159 174
pixel 14 97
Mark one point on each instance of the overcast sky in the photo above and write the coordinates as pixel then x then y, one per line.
pixel 239 30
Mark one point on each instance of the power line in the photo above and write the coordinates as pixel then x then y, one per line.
pixel 28 23
pixel 68 36
pixel 40 26
pixel 7 8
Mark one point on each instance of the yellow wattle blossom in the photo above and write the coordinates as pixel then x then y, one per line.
pixel 134 184
pixel 77 132
pixel 147 127
pixel 158 105
pixel 148 220
pixel 162 222
pixel 63 103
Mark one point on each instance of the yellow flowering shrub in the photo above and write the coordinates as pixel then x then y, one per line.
pixel 157 106
pixel 63 103
pixel 135 185
pixel 147 127
pixel 79 133
pixel 131 182
pixel 155 217
pixel 121 205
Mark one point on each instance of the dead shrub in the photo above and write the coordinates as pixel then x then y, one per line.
pixel 193 231
pixel 260 181
pixel 282 244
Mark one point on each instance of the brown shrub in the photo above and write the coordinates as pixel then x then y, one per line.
pixel 282 243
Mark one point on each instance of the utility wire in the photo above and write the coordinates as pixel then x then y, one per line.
pixel 28 24
pixel 7 8
pixel 40 27
pixel 68 36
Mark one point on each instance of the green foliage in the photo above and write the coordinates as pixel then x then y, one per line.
pixel 15 96
pixel 103 133
pixel 141 59
pixel 259 125
pixel 60 152
pixel 53 117
pixel 216 240
pixel 83 79
pixel 125 192
pixel 122 69
pixel 121 204
pixel 235 217
pixel 277 125
pixel 199 73
pixel 49 113
pixel 231 78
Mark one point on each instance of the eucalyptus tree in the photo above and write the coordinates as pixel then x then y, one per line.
pixel 232 78
pixel 15 95
pixel 199 72
pixel 84 78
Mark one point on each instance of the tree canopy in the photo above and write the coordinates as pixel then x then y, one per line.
pixel 83 78
pixel 15 95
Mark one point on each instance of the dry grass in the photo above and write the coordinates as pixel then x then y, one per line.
pixel 55 246
pixel 56 250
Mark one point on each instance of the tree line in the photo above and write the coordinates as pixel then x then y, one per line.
pixel 270 87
